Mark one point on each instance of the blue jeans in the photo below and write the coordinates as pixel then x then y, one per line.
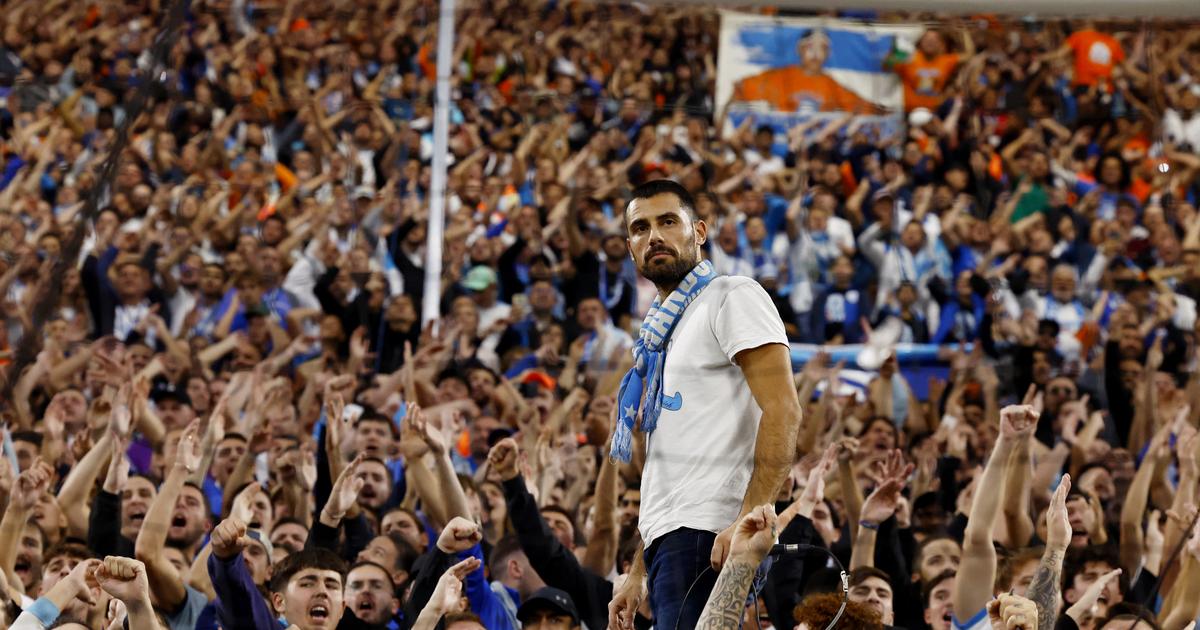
pixel 676 562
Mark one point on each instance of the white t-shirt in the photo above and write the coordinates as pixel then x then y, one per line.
pixel 701 453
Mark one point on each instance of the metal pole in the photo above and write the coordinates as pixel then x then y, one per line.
pixel 437 193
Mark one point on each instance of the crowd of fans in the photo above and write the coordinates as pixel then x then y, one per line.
pixel 236 418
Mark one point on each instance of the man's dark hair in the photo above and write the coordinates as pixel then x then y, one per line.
pixel 373 416
pixel 656 187
pixel 927 589
pixel 558 509
pixel 406 554
pixel 1077 559
pixel 288 520
pixel 1129 612
pixel 70 549
pixel 504 548
pixel 311 558
pixel 860 575
pixel 33 437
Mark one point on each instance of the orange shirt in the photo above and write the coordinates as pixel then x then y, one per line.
pixel 925 78
pixel 791 89
pixel 1095 55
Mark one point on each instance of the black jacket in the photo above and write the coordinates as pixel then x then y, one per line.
pixel 554 563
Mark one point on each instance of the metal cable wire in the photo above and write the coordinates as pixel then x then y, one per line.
pixel 154 73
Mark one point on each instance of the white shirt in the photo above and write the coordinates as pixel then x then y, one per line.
pixel 1182 131
pixel 700 455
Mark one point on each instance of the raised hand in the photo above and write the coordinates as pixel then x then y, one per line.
pixel 118 465
pixel 344 493
pixel 814 489
pixel 243 503
pixel 431 435
pixel 76 583
pixel 503 459
pixel 1017 422
pixel 123 578
pixel 1058 526
pixel 31 485
pixel 459 535
pixel 754 535
pixel 1085 607
pixel 189 454
pixel 335 423
pixel 359 344
pixel 884 500
pixel 229 538
pixel 448 592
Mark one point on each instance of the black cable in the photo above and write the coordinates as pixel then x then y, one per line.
pixel 49 288
pixel 782 550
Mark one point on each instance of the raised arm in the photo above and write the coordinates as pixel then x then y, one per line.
pixel 446 596
pixel 977 572
pixel 127 580
pixel 1044 589
pixel 1133 510
pixel 447 479
pixel 27 489
pixel 1018 523
pixel 73 495
pixel 602 547
pixel 166 588
pixel 879 507
pixel 768 371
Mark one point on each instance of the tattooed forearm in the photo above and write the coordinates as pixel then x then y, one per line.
pixel 727 602
pixel 1043 590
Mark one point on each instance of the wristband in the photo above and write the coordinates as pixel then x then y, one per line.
pixel 869 525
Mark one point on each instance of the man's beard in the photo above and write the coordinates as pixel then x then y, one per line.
pixel 667 274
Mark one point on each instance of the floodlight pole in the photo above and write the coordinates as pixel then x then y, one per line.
pixel 437 190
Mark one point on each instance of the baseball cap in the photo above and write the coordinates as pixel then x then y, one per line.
pixel 258 537
pixel 479 278
pixel 364 192
pixel 551 598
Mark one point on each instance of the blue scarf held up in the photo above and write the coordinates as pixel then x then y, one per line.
pixel 641 388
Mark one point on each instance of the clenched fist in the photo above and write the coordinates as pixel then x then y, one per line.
pixel 503 458
pixel 229 538
pixel 459 535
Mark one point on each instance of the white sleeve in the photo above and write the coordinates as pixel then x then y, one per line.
pixel 301 280
pixel 27 622
pixel 747 319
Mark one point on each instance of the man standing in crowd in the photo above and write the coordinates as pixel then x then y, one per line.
pixel 718 412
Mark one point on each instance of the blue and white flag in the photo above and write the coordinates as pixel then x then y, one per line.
pixel 785 71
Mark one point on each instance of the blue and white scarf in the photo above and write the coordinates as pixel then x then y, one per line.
pixel 642 386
